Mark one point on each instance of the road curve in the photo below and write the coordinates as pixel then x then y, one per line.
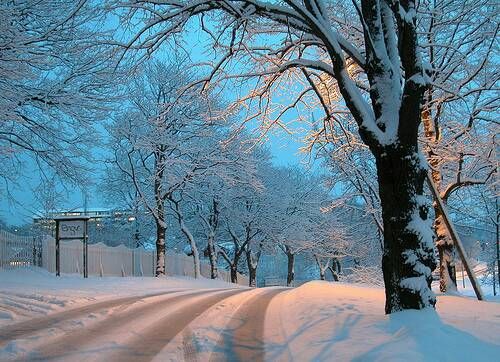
pixel 243 337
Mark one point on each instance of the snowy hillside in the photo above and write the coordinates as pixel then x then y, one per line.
pixel 187 319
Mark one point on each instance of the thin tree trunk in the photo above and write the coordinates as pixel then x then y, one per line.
pixel 408 258
pixel 234 273
pixel 497 225
pixel 291 273
pixel 252 263
pixel 194 248
pixel 322 268
pixel 189 236
pixel 212 257
pixel 160 248
pixel 212 224
pixel 252 276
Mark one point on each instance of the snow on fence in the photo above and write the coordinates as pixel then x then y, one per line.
pixel 16 250
pixel 103 260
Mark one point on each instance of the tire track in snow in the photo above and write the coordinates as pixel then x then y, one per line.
pixel 81 342
pixel 21 329
pixel 147 344
pixel 243 338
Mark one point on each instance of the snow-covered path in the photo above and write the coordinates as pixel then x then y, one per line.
pixel 138 328
pixel 182 319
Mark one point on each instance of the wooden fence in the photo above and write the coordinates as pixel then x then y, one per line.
pixel 103 260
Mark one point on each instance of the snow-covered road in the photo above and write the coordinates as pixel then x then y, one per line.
pixel 139 328
pixel 182 319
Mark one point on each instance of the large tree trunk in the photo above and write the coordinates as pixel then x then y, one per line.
pixel 291 273
pixel 408 258
pixel 160 248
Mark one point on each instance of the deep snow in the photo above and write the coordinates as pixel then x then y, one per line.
pixel 317 321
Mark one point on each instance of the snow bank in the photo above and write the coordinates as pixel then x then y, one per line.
pixel 324 321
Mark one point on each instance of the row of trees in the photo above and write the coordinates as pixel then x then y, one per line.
pixel 176 159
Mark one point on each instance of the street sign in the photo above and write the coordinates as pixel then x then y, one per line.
pixel 71 229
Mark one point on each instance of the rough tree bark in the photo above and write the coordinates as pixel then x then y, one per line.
pixel 408 258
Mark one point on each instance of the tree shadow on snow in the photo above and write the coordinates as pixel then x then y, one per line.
pixel 422 336
pixel 340 333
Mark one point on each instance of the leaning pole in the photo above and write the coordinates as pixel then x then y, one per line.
pixel 455 238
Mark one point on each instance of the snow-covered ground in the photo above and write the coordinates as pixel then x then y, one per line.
pixel 26 293
pixel 186 319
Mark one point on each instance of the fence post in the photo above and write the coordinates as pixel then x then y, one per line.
pixel 133 263
pixel 34 252
pixel 58 251
pixel 39 251
pixel 1 248
pixel 85 251
pixel 101 269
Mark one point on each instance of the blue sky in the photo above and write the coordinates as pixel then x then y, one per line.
pixel 285 151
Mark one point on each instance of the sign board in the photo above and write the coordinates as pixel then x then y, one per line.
pixel 71 229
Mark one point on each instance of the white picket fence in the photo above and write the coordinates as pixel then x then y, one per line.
pixel 103 260
pixel 16 250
